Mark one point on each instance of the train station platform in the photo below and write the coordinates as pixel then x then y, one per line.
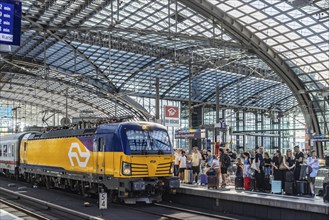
pixel 252 204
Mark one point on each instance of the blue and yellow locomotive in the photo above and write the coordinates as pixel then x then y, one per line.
pixel 130 160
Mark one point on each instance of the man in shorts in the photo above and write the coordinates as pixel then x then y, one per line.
pixel 196 161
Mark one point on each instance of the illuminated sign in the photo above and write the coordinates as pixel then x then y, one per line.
pixel 10 22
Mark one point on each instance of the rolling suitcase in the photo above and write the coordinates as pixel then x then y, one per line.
pixel 253 184
pixel 303 172
pixel 213 181
pixel 289 188
pixel 301 187
pixel 267 184
pixel 290 177
pixel 203 179
pixel 276 186
pixel 326 194
pixel 239 182
pixel 188 176
pixel 247 183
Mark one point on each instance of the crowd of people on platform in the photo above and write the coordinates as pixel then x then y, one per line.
pixel 204 162
pixel 256 164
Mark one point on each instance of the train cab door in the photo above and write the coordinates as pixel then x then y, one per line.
pixel 100 158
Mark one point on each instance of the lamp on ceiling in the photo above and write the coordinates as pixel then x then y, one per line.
pixel 300 3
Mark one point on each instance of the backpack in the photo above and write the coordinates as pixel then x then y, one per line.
pixel 226 161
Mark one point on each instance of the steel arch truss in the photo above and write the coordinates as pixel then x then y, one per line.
pixel 246 37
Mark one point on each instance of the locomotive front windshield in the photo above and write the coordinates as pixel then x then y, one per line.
pixel 148 142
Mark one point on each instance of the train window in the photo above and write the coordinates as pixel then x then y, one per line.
pixel 12 150
pixel 152 141
pixel 0 150
pixel 25 146
pixel 5 150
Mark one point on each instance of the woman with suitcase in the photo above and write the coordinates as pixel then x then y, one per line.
pixel 246 171
pixel 276 184
pixel 239 174
pixel 213 176
pixel 277 160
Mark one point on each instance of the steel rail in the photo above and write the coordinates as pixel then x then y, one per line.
pixel 50 205
pixel 24 210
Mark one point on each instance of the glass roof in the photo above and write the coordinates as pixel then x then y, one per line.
pixel 113 51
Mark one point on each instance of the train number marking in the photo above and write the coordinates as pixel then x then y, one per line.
pixel 78 155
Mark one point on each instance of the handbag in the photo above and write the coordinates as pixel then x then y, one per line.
pixel 308 170
pixel 282 166
pixel 255 165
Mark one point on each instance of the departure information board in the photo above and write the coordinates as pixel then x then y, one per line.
pixel 10 22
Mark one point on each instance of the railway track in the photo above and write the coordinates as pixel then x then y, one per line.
pixel 175 213
pixel 13 209
pixel 39 209
pixel 48 210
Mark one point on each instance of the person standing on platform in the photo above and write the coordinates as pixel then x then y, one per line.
pixel 225 162
pixel 313 162
pixel 209 159
pixel 177 156
pixel 204 154
pixel 277 160
pixel 196 162
pixel 182 165
pixel 299 157
pixel 289 161
pixel 246 165
pixel 216 167
pixel 259 173
pixel 267 165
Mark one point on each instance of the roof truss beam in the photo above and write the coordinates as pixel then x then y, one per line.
pixel 265 52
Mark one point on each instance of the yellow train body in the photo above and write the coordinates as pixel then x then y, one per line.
pixel 71 155
pixel 130 160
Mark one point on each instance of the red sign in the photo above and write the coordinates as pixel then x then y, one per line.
pixel 171 116
pixel 171 112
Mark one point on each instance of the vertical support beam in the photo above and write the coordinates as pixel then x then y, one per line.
pixel 262 128
pixel 157 98
pixel 279 133
pixel 190 94
pixel 256 128
pixel 294 129
pixel 217 104
pixel 16 124
pixel 244 128
pixel 224 132
pixel 66 102
pixel 237 137
pixel 217 113
pixel 272 140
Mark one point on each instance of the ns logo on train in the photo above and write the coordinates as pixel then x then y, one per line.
pixel 81 157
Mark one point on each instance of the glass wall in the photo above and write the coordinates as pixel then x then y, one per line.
pixel 246 129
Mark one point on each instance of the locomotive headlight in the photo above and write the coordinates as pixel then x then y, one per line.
pixel 126 169
pixel 172 168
